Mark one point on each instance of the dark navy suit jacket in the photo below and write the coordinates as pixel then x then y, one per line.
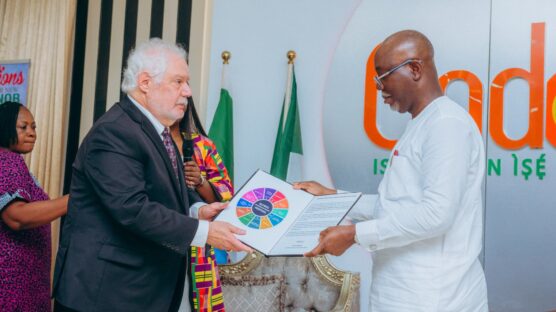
pixel 127 233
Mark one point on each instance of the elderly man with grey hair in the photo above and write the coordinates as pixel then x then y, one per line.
pixel 131 219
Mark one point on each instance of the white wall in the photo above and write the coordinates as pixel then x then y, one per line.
pixel 333 39
pixel 259 34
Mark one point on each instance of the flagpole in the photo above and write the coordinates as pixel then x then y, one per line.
pixel 288 137
pixel 221 128
pixel 291 57
pixel 226 56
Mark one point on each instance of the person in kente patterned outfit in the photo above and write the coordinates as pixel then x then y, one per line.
pixel 206 174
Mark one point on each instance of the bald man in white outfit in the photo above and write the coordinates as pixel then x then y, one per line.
pixel 425 225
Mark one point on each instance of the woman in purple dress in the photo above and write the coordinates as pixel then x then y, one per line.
pixel 26 214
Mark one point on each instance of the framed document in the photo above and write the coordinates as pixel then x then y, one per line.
pixel 281 221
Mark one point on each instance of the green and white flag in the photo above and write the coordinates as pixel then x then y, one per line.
pixel 287 161
pixel 222 127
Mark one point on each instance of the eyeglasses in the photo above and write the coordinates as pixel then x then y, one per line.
pixel 378 79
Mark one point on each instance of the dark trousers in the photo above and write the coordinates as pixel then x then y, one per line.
pixel 176 298
pixel 60 308
pixel 178 292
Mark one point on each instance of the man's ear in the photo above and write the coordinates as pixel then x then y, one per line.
pixel 416 70
pixel 144 81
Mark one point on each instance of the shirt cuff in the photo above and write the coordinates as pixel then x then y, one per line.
pixel 366 234
pixel 200 239
pixel 194 209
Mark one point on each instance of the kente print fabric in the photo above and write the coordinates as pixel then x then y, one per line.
pixel 212 167
pixel 206 287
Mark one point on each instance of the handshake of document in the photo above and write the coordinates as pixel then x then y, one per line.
pixel 278 219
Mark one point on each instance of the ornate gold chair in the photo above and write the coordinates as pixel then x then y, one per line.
pixel 292 284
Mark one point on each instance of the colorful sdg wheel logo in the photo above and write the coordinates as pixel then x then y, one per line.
pixel 262 208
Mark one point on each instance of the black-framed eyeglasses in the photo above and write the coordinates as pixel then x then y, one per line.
pixel 378 79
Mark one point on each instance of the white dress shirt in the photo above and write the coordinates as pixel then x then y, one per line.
pixel 428 217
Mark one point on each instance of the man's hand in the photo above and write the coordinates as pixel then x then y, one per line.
pixel 209 211
pixel 334 240
pixel 313 187
pixel 221 235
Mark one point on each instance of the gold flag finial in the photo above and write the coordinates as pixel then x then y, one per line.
pixel 291 56
pixel 226 56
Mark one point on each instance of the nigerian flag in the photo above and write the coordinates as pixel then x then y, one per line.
pixel 222 127
pixel 288 150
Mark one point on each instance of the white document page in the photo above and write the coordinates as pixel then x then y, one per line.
pixel 322 212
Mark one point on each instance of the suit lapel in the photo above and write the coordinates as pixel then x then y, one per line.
pixel 150 131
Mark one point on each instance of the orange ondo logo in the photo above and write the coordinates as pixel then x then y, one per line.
pixel 533 138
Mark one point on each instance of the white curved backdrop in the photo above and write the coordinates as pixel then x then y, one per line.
pixel 333 40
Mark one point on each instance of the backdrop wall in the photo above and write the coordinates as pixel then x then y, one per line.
pixel 477 42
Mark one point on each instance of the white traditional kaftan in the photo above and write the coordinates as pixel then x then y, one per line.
pixel 428 217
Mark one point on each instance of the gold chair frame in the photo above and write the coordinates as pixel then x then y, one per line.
pixel 348 282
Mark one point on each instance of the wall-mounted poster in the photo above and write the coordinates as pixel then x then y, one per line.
pixel 14 81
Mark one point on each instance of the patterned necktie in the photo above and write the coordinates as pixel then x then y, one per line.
pixel 167 139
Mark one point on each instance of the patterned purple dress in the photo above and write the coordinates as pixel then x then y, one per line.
pixel 24 255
